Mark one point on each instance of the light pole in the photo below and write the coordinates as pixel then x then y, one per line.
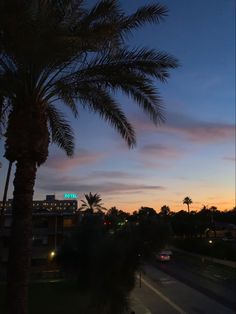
pixel 140 273
pixel 54 251
pixel 55 239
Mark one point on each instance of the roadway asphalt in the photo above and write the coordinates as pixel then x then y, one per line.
pixel 161 293
pixel 185 285
pixel 215 281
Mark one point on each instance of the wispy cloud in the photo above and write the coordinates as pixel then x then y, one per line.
pixel 159 151
pixel 82 158
pixel 229 158
pixel 112 175
pixel 159 156
pixel 200 131
pixel 189 128
pixel 75 184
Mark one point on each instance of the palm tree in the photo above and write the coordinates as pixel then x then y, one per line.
pixel 187 200
pixel 92 204
pixel 59 52
pixel 165 210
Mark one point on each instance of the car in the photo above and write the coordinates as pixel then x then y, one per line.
pixel 164 255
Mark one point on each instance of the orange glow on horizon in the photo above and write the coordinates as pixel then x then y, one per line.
pixel 221 205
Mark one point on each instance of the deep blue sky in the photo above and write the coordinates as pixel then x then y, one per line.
pixel 194 152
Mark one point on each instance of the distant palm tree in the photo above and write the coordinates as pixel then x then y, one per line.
pixel 165 210
pixel 92 204
pixel 187 200
pixel 59 52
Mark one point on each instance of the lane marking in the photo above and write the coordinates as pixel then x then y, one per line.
pixel 163 297
pixel 166 280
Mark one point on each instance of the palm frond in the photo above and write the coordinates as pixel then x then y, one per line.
pixel 147 98
pixel 101 102
pixel 78 54
pixel 92 203
pixel 67 97
pixel 140 61
pixel 61 131
pixel 2 115
pixel 147 61
pixel 147 14
pixel 128 71
pixel 103 10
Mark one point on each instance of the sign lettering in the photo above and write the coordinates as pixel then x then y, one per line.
pixel 70 195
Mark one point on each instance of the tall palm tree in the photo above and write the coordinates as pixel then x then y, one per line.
pixel 56 52
pixel 187 200
pixel 92 204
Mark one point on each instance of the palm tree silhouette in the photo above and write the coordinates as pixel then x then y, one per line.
pixel 165 210
pixel 187 200
pixel 92 204
pixel 58 52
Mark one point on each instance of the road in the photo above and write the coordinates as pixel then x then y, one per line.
pixel 186 290
pixel 217 282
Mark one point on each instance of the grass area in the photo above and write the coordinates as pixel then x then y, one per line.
pixel 53 298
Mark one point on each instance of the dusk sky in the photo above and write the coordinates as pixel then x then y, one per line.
pixel 193 153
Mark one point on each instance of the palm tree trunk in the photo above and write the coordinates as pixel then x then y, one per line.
pixel 21 238
pixel 2 214
pixel 6 189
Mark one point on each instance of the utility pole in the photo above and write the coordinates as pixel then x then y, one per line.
pixel 140 271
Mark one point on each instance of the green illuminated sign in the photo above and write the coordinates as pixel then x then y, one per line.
pixel 70 195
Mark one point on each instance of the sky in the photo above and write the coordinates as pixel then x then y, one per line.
pixel 192 154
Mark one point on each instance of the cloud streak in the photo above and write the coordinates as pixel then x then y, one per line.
pixel 229 158
pixel 160 151
pixel 189 128
pixel 83 158
pixel 112 175
pixel 73 184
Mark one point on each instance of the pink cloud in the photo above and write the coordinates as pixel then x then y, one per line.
pixel 156 156
pixel 105 174
pixel 159 151
pixel 191 129
pixel 230 158
pixel 205 132
pixel 74 184
pixel 63 163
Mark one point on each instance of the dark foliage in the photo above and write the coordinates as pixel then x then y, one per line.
pixel 105 260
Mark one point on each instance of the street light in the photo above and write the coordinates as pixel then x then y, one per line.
pixel 52 254
pixel 140 273
pixel 211 250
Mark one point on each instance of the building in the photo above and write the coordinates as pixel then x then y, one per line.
pixel 53 221
pixel 49 204
pixel 49 231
